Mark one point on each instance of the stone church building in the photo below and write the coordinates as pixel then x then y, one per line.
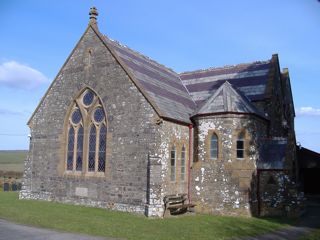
pixel 118 130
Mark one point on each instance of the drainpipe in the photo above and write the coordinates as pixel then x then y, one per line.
pixel 189 162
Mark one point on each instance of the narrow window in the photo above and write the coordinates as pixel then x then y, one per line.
pixel 173 163
pixel 240 146
pixel 70 149
pixel 102 149
pixel 89 57
pixel 92 149
pixel 79 149
pixel 183 163
pixel 214 147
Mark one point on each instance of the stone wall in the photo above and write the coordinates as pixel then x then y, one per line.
pixel 226 185
pixel 278 194
pixel 171 134
pixel 131 135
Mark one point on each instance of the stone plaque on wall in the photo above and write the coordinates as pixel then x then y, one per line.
pixel 81 192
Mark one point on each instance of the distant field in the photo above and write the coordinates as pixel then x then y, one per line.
pixel 12 160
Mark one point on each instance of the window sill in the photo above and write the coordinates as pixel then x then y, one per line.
pixel 87 174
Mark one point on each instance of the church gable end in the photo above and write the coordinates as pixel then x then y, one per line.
pixel 76 157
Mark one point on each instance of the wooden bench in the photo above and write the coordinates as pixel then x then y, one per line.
pixel 175 204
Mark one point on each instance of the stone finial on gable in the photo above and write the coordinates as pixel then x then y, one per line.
pixel 93 15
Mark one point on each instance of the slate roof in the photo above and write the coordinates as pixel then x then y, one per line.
pixel 308 158
pixel 250 79
pixel 227 99
pixel 162 85
pixel 180 96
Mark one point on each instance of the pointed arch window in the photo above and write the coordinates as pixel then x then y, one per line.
pixel 183 163
pixel 70 153
pixel 92 149
pixel 86 135
pixel 240 146
pixel 173 164
pixel 214 146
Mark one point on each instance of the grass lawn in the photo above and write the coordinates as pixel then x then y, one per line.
pixel 314 235
pixel 101 222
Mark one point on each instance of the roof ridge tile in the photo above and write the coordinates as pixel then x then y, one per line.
pixel 139 54
pixel 225 67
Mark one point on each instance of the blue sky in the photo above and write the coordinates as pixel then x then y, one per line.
pixel 37 36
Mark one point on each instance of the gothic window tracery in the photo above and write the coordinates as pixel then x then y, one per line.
pixel 86 135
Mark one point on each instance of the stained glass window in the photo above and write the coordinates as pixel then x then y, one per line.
pixel 173 164
pixel 70 149
pixel 98 115
pixel 87 135
pixel 214 147
pixel 183 163
pixel 76 116
pixel 79 150
pixel 92 149
pixel 102 149
pixel 88 98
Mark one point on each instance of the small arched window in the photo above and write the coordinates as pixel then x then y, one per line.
pixel 240 146
pixel 173 164
pixel 183 163
pixel 214 146
pixel 87 135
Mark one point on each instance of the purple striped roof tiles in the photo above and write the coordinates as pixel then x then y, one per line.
pixel 250 79
pixel 177 96
pixel 162 84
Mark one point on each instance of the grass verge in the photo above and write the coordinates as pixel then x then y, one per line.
pixel 101 222
pixel 313 235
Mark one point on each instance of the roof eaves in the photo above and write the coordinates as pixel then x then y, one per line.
pixel 226 113
pixel 128 72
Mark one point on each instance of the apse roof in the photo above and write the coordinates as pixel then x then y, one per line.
pixel 249 78
pixel 226 99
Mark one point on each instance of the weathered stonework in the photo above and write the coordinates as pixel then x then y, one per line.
pixel 226 185
pixel 131 135
pixel 155 119
pixel 171 134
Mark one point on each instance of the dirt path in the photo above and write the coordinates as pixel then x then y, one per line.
pixel 13 231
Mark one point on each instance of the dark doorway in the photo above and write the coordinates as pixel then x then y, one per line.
pixel 311 177
pixel 309 170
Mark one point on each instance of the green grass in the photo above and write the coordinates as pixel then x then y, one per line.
pixel 13 157
pixel 12 160
pixel 100 222
pixel 313 235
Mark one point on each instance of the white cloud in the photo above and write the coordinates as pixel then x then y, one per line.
pixel 9 112
pixel 17 75
pixel 308 111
